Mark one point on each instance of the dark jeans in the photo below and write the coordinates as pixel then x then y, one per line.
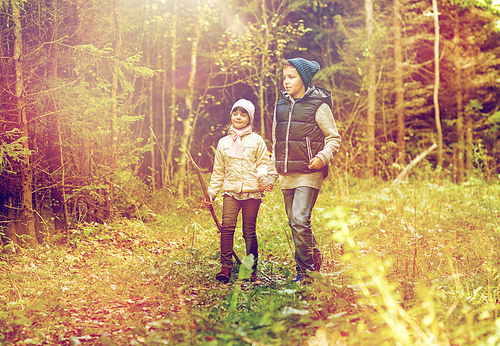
pixel 230 209
pixel 299 203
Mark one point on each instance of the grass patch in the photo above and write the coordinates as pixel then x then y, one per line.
pixel 413 265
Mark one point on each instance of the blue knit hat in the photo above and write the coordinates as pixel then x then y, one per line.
pixel 306 69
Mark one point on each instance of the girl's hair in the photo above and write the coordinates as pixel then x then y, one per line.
pixel 242 110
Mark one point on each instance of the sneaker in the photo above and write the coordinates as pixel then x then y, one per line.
pixel 302 278
pixel 224 275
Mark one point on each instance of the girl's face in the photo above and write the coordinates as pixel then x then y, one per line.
pixel 292 82
pixel 239 118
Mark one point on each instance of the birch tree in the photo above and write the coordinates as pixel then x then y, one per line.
pixel 459 101
pixel 173 95
pixel 117 45
pixel 437 116
pixel 399 107
pixel 372 79
pixel 187 122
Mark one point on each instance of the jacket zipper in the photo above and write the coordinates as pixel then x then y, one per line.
pixel 290 111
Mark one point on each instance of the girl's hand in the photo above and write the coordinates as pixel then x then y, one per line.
pixel 315 163
pixel 265 188
pixel 269 187
pixel 208 202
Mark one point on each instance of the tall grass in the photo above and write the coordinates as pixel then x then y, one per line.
pixel 424 258
pixel 415 264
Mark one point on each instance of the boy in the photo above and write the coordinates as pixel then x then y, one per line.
pixel 305 139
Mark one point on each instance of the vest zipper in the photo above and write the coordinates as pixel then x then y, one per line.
pixel 309 150
pixel 290 111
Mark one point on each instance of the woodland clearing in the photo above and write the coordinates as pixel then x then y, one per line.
pixel 415 264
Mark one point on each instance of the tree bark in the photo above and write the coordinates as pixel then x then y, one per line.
pixel 263 71
pixel 188 120
pixel 437 116
pixel 460 164
pixel 114 105
pixel 165 179
pixel 399 107
pixel 26 210
pixel 54 151
pixel 370 113
pixel 151 122
pixel 469 145
pixel 173 96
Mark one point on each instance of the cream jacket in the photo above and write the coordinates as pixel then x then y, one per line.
pixel 241 175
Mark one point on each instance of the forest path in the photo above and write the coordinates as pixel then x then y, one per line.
pixel 106 287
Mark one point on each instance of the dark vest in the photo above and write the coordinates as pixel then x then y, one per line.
pixel 298 136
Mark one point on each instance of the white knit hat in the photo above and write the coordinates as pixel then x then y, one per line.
pixel 246 105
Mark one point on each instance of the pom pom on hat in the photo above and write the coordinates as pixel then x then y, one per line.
pixel 246 105
pixel 306 69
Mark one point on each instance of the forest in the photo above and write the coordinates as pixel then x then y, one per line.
pixel 102 99
pixel 103 102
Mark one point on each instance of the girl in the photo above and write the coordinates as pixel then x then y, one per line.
pixel 241 169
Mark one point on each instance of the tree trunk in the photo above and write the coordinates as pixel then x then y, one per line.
pixel 54 151
pixel 199 108
pixel 85 172
pixel 114 105
pixel 437 116
pixel 151 122
pixel 173 97
pixel 11 231
pixel 26 210
pixel 399 107
pixel 188 121
pixel 63 184
pixel 263 71
pixel 469 148
pixel 370 113
pixel 459 101
pixel 164 169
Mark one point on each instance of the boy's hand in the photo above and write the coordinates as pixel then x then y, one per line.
pixel 315 163
pixel 269 187
pixel 265 188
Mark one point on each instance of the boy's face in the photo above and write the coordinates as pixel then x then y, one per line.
pixel 293 83
pixel 239 118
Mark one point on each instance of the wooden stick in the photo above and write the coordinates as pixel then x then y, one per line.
pixel 207 198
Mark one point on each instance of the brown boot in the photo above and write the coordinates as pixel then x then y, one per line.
pixel 253 277
pixel 224 275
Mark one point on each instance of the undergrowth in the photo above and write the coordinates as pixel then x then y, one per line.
pixel 413 264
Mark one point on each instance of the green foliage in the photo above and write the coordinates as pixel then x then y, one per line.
pixel 410 265
pixel 249 49
pixel 11 148
pixel 494 119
